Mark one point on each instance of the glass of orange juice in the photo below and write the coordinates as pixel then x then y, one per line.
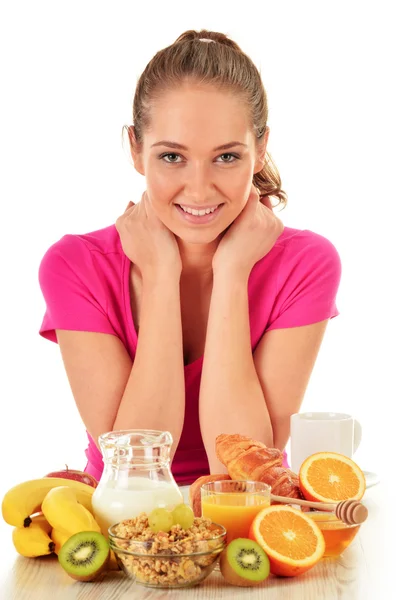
pixel 234 504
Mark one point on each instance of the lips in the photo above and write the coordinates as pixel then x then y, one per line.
pixel 199 219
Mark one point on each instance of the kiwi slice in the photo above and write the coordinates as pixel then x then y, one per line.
pixel 244 563
pixel 84 555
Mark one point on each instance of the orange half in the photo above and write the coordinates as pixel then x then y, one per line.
pixel 292 541
pixel 331 477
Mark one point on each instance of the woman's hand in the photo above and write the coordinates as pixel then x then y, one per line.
pixel 147 242
pixel 249 238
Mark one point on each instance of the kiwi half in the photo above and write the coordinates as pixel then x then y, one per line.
pixel 244 563
pixel 84 555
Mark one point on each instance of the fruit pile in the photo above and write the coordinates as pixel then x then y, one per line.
pixel 54 515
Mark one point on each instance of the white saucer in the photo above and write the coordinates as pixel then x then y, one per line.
pixel 371 479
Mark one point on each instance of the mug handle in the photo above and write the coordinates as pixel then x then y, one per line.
pixel 357 434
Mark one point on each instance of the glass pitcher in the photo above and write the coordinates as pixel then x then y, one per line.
pixel 136 477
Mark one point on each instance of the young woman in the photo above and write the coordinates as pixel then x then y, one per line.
pixel 197 312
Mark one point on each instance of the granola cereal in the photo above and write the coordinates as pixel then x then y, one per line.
pixel 165 559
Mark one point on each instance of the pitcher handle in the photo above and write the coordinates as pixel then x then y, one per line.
pixel 357 434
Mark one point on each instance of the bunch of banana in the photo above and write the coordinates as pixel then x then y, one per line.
pixel 34 540
pixel 26 498
pixel 66 509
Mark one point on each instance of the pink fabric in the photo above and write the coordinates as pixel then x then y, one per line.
pixel 85 283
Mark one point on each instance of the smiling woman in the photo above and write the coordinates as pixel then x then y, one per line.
pixel 197 312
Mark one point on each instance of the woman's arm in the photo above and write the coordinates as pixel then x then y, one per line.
pixel 239 393
pixel 231 399
pixel 112 393
pixel 154 397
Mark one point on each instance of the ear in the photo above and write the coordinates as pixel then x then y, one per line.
pixel 261 151
pixel 136 151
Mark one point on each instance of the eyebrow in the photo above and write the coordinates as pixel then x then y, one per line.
pixel 181 147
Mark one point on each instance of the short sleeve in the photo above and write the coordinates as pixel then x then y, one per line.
pixel 308 281
pixel 73 290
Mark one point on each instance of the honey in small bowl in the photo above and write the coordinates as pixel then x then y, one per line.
pixel 338 535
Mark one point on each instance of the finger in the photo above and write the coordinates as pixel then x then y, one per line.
pixel 146 205
pixel 254 198
pixel 250 207
pixel 264 198
pixel 129 205
pixel 148 208
pixel 140 208
pixel 255 191
pixel 266 201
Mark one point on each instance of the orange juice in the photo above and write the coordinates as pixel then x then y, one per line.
pixel 234 511
pixel 338 536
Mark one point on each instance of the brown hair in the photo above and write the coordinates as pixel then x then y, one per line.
pixel 221 64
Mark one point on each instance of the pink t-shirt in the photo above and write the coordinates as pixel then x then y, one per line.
pixel 85 283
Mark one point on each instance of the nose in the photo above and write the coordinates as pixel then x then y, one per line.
pixel 199 188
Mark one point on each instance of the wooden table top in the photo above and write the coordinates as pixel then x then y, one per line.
pixel 357 574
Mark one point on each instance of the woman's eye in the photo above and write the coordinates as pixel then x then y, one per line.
pixel 235 156
pixel 172 154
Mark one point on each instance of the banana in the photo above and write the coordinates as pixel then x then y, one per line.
pixel 42 522
pixel 25 499
pixel 64 513
pixel 59 538
pixel 32 541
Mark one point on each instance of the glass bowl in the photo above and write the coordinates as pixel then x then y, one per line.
pixel 337 534
pixel 178 564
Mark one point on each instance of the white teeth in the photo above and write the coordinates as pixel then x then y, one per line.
pixel 198 213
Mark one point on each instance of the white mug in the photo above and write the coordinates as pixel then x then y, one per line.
pixel 313 432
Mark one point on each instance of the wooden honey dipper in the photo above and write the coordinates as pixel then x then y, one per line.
pixel 351 512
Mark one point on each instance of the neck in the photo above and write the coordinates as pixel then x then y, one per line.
pixel 197 259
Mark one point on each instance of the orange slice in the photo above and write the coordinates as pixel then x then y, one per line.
pixel 292 541
pixel 331 477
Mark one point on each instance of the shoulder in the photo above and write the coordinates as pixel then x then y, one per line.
pixel 303 238
pixel 303 248
pixel 102 241
pixel 74 247
pixel 307 273
pixel 81 253
pixel 300 257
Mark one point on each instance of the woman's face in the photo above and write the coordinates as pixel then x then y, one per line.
pixel 202 176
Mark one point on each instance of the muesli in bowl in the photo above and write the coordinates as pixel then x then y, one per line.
pixel 173 559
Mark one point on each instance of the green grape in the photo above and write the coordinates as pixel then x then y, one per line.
pixel 183 515
pixel 160 519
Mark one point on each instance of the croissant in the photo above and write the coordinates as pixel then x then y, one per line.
pixel 246 459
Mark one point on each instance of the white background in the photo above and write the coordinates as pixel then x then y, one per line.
pixel 68 76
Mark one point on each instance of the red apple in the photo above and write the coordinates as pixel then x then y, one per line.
pixel 76 475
